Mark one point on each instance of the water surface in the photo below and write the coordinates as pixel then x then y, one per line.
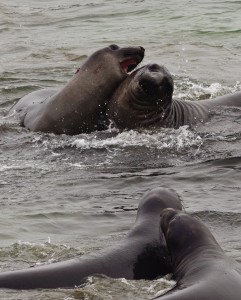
pixel 63 196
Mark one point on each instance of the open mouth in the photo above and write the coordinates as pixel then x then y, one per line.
pixel 129 65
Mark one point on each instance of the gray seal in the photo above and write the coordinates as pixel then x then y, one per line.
pixel 201 268
pixel 142 254
pixel 144 99
pixel 76 108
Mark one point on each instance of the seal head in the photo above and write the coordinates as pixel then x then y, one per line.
pixel 77 107
pixel 143 99
pixel 183 233
pixel 201 268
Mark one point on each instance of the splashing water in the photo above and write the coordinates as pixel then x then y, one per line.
pixel 191 90
pixel 162 139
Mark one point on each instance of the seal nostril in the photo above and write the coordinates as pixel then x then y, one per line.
pixel 154 68
pixel 113 47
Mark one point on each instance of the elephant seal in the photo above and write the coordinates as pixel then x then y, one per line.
pixel 76 108
pixel 201 268
pixel 144 99
pixel 142 254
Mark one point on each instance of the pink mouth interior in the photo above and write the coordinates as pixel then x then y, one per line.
pixel 128 65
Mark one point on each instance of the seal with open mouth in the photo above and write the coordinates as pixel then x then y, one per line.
pixel 76 108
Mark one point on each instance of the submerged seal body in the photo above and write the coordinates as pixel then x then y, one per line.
pixel 142 254
pixel 144 99
pixel 201 268
pixel 76 108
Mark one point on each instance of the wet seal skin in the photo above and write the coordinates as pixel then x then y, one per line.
pixel 142 254
pixel 144 100
pixel 77 107
pixel 201 268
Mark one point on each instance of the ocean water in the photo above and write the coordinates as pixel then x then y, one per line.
pixel 63 196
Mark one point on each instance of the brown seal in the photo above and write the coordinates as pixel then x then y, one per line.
pixel 201 268
pixel 144 99
pixel 76 108
pixel 142 254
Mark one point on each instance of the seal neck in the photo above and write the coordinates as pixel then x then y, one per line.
pixel 184 112
pixel 190 261
pixel 150 111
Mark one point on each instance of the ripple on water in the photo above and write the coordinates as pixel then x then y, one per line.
pixel 26 254
pixel 41 39
pixel 116 150
pixel 107 288
pixel 99 288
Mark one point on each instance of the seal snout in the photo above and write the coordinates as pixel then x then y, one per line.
pixel 133 56
pixel 134 52
pixel 167 216
pixel 140 54
pixel 156 80
pixel 148 84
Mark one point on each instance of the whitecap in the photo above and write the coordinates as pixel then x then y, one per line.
pixel 190 90
pixel 176 139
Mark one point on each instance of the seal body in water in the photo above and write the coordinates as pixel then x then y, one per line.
pixel 142 254
pixel 201 268
pixel 144 99
pixel 76 108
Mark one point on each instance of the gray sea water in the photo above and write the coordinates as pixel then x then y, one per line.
pixel 62 196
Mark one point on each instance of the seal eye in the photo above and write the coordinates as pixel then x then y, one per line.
pixel 113 47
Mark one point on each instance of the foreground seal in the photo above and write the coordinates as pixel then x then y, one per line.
pixel 142 254
pixel 201 268
pixel 144 99
pixel 76 108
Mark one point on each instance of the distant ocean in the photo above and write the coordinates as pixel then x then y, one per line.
pixel 63 196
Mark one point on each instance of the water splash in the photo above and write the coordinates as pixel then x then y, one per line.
pixel 108 288
pixel 195 91
pixel 175 139
pixel 191 90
